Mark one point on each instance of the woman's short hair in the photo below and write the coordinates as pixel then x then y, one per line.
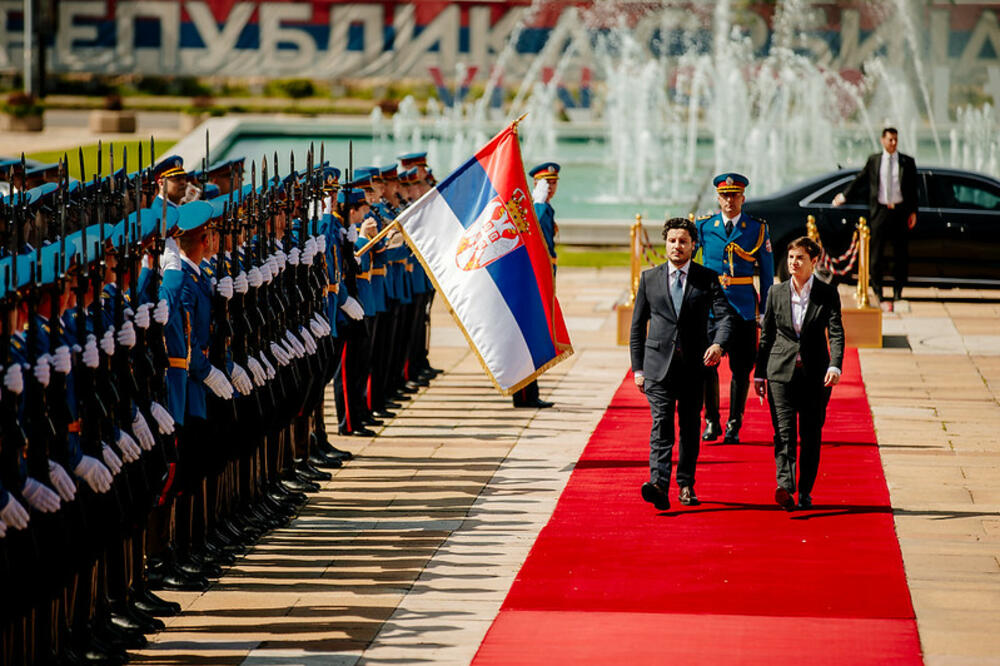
pixel 681 223
pixel 811 247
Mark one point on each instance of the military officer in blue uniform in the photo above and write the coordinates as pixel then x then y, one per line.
pixel 735 246
pixel 546 179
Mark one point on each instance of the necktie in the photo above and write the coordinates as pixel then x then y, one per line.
pixel 677 291
pixel 729 227
pixel 893 178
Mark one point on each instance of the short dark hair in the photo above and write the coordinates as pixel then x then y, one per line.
pixel 889 130
pixel 811 247
pixel 681 223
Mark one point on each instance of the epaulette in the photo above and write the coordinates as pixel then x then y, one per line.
pixel 705 217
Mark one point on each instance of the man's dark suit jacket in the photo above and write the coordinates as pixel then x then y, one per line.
pixel 669 334
pixel 779 345
pixel 869 176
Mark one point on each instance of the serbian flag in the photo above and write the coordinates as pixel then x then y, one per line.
pixel 477 236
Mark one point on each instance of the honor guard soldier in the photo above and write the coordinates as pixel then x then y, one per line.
pixel 734 245
pixel 546 177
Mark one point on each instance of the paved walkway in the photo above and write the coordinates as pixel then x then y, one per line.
pixel 406 555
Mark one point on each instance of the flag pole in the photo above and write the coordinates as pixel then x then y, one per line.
pixel 379 236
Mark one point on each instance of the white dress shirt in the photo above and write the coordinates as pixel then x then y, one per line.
pixel 890 191
pixel 800 304
pixel 673 273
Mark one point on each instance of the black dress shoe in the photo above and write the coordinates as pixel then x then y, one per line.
pixel 301 484
pixel 331 451
pixel 656 496
pixel 535 404
pixel 687 497
pixel 304 468
pixel 805 501
pixel 784 499
pixel 362 432
pixel 411 386
pixel 372 421
pixel 323 461
pixel 384 414
pixel 389 404
pixel 712 431
pixel 732 435
pixel 150 603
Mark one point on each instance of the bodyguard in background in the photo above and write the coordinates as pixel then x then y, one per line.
pixel 797 370
pixel 674 301
pixel 891 179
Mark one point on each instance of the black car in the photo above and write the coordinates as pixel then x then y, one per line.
pixel 955 243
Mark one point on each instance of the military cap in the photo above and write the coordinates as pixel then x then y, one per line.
pixel 363 181
pixel 41 169
pixel 389 172
pixel 546 170
pixel 169 167
pixel 730 182
pixel 193 216
pixel 211 190
pixel 151 220
pixel 411 160
pixel 93 248
pixel 371 172
pixel 351 195
pixel 331 178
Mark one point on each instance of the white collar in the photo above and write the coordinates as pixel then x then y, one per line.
pixel 683 269
pixel 734 220
pixel 806 288
pixel 891 156
pixel 187 260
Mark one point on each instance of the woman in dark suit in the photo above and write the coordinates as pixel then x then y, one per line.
pixel 798 362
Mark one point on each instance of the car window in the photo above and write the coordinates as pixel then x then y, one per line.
pixel 948 191
pixel 858 196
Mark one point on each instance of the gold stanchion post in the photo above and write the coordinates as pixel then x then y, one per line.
pixel 812 231
pixel 635 263
pixel 864 235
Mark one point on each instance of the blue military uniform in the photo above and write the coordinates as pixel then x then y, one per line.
pixel 735 254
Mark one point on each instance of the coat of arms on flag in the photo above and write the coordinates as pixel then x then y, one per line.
pixel 477 236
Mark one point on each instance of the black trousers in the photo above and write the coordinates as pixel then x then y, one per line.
pixel 798 411
pixel 741 354
pixel 354 347
pixel 889 229
pixel 679 392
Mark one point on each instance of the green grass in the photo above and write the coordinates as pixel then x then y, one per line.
pixel 592 257
pixel 90 157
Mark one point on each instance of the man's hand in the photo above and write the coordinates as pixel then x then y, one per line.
pixel 839 199
pixel 760 388
pixel 832 378
pixel 713 355
pixel 911 221
pixel 640 382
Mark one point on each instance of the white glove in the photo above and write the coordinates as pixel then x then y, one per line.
pixel 255 278
pixel 161 313
pixel 113 462
pixel 316 327
pixel 266 273
pixel 219 385
pixel 275 265
pixel 297 347
pixel 90 357
pixel 129 449
pixel 141 318
pixel 307 340
pixel 293 257
pixel 41 369
pixel 39 496
pixel 13 379
pixel 352 234
pixel 267 366
pixel 395 240
pixel 126 335
pixel 163 419
pixel 224 287
pixel 257 370
pixel 97 476
pixel 280 257
pixel 62 361
pixel 61 482
pixel 321 243
pixel 14 514
pixel 240 284
pixel 140 428
pixel 280 354
pixel 108 341
pixel 353 309
pixel 241 380
pixel 307 256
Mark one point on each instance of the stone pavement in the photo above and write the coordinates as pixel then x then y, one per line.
pixel 934 396
pixel 406 555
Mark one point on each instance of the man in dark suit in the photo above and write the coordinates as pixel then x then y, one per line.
pixel 797 369
pixel 891 179
pixel 674 300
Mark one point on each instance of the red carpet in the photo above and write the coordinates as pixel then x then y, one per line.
pixel 735 580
